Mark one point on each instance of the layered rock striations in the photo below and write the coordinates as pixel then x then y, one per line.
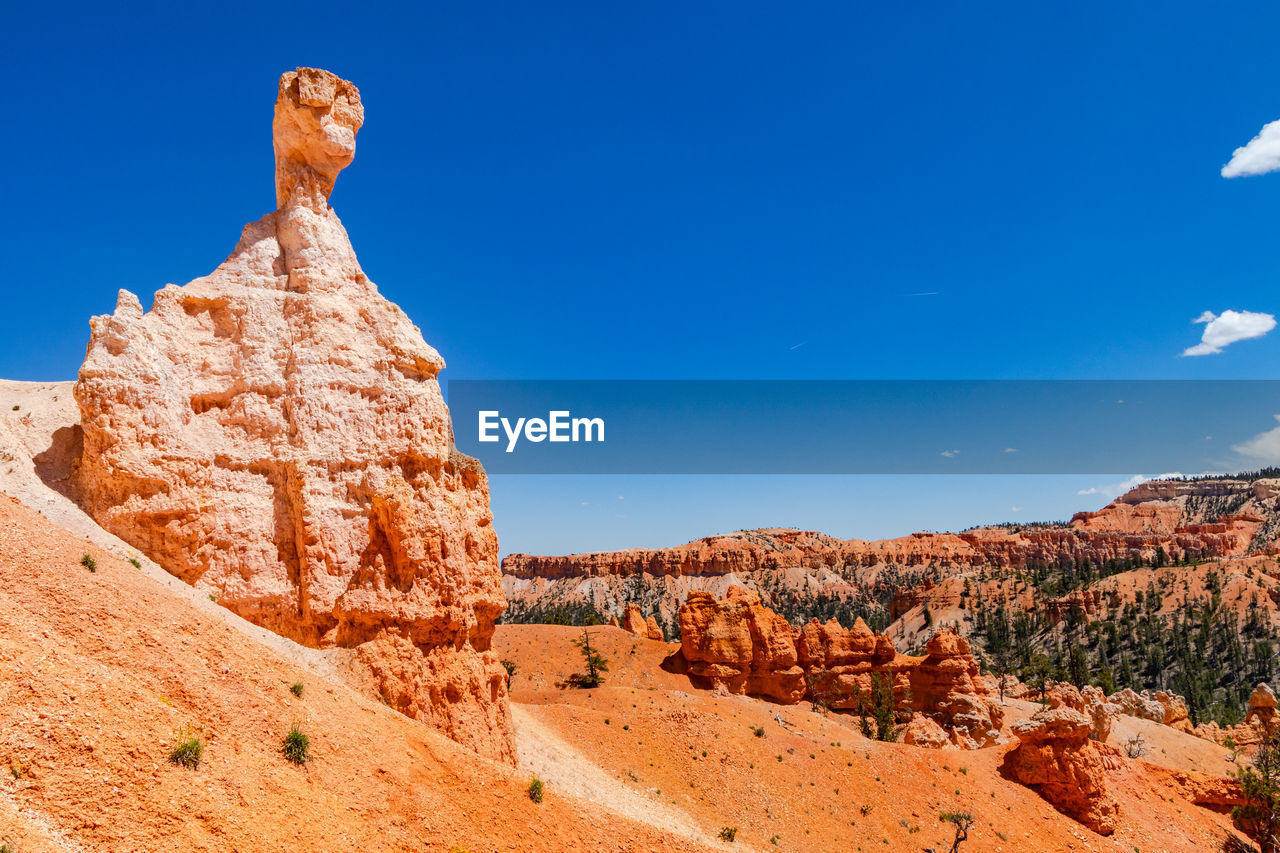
pixel 274 432
pixel 741 646
pixel 1201 519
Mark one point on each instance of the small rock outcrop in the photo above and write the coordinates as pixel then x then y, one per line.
pixel 1175 710
pixel 632 620
pixel 1090 702
pixel 274 433
pixel 1137 705
pixel 1258 721
pixel 1262 706
pixel 946 685
pixel 1057 758
pixel 741 646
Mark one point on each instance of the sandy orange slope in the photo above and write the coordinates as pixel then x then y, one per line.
pixel 98 671
pixel 812 782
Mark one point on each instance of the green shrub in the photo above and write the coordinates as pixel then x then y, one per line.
pixel 297 746
pixel 728 833
pixel 758 731
pixel 535 789
pixel 188 749
pixel 296 689
pixel 135 562
pixel 89 563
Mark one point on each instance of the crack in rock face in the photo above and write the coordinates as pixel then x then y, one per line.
pixel 274 432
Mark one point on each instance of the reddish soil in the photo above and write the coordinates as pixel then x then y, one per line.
pixel 815 783
pixel 100 670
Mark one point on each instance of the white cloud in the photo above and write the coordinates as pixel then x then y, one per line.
pixel 1263 448
pixel 1113 490
pixel 950 453
pixel 1260 156
pixel 1224 329
pixel 1015 509
pixel 1011 450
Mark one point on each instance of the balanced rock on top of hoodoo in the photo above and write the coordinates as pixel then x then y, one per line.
pixel 274 432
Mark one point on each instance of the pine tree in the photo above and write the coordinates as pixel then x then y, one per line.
pixel 1260 816
pixel 596 664
pixel 882 690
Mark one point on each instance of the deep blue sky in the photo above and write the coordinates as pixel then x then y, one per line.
pixel 710 190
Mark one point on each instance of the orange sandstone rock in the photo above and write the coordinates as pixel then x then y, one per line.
pixel 1056 757
pixel 946 685
pixel 1262 706
pixel 632 620
pixel 740 645
pixel 743 647
pixel 274 432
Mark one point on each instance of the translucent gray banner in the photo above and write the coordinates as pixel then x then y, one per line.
pixel 866 427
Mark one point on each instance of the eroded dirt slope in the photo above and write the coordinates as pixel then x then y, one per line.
pixel 100 670
pixel 812 782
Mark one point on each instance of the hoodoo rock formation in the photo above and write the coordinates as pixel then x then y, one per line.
pixel 274 433
pixel 1056 757
pixel 741 646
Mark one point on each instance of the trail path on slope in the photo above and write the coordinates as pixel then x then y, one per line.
pixel 39 441
pixel 565 769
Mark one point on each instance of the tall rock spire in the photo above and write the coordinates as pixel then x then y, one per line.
pixel 274 433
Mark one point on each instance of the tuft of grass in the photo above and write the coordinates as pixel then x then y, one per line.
pixel 297 746
pixel 296 689
pixel 728 833
pixel 188 749
pixel 535 789
pixel 758 731
pixel 134 561
pixel 89 563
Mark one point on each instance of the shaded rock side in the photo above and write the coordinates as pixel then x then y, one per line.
pixel 274 433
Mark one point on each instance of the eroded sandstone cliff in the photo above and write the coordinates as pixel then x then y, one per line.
pixel 274 433
pixel 1195 519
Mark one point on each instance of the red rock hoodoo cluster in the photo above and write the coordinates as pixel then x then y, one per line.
pixel 742 646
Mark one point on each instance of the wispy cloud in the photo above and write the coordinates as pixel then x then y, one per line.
pixel 1259 156
pixel 950 453
pixel 1113 490
pixel 1222 330
pixel 1011 450
pixel 1263 448
pixel 1015 509
pixel 797 346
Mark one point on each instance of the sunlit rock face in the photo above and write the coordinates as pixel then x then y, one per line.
pixel 274 432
